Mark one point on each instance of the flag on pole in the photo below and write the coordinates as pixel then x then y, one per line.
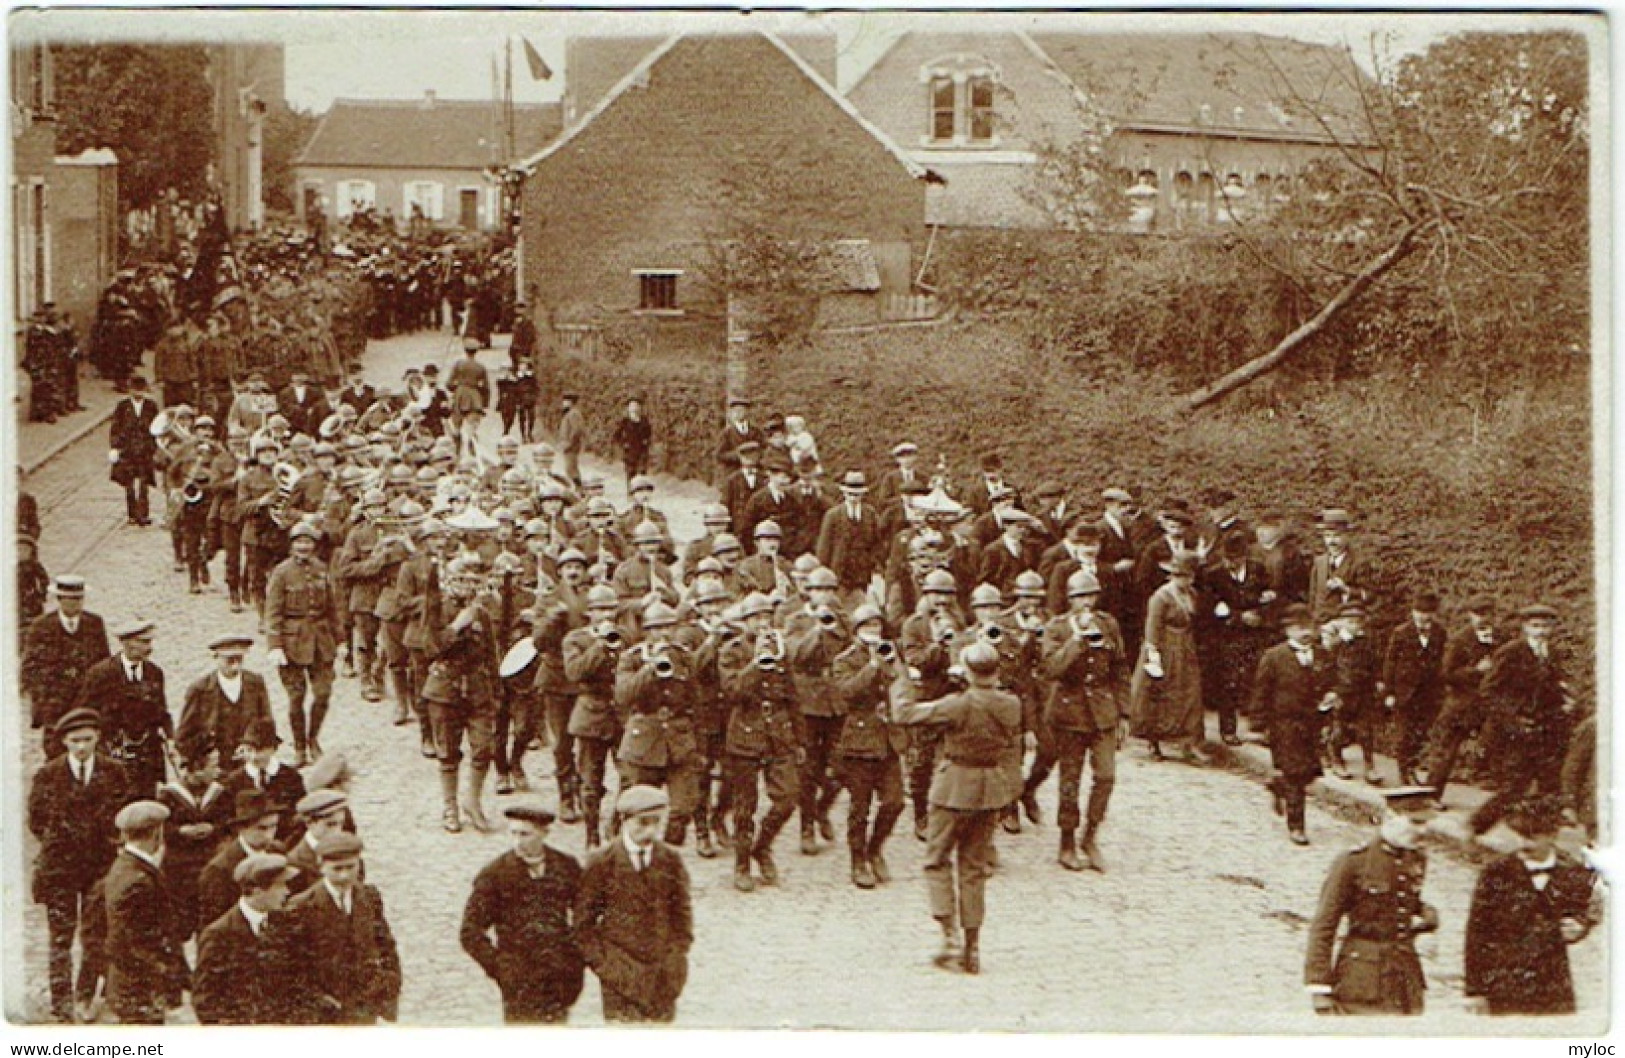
pixel 539 70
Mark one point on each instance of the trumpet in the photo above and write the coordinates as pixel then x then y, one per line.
pixel 665 669
pixel 886 650
pixel 827 618
pixel 769 650
pixel 611 635
pixel 992 633
pixel 287 478
pixel 1090 631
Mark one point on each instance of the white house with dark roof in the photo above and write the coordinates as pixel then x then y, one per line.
pixel 429 154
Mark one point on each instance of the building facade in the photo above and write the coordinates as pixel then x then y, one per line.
pixel 84 232
pixel 433 157
pixel 703 141
pixel 33 157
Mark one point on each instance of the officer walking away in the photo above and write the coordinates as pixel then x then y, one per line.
pixel 634 916
pixel 1528 907
pixel 1377 888
pixel 982 777
pixel 71 806
pixel 517 923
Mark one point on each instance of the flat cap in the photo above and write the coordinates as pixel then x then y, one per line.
pixel 641 799
pixel 1116 495
pixel 321 803
pixel 77 719
pixel 338 846
pixel 260 869
pixel 252 806
pixel 1538 611
pixel 640 482
pixel 134 628
pixel 140 815
pixel 531 812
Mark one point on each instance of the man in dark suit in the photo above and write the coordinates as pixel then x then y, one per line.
pixel 222 705
pixel 254 820
pixel 71 806
pixel 1233 628
pixel 1466 660
pixel 773 501
pixel 1291 692
pixel 517 922
pixel 1012 553
pixel 128 690
pixel 850 541
pixel 634 916
pixel 263 771
pixel 303 405
pixel 738 431
pixel 1531 713
pixel 358 394
pixel 743 482
pixel 58 649
pixel 1527 908
pixel 1341 573
pixel 344 953
pixel 980 494
pixel 146 970
pixel 1412 671
pixel 243 974
pixel 906 472
pixel 131 449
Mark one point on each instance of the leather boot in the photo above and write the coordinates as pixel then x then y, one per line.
pixel 1069 851
pixel 742 879
pixel 973 950
pixel 877 864
pixel 1010 819
pixel 863 876
pixel 764 860
pixel 449 817
pixel 809 841
pixel 473 810
pixel 569 811
pixel 702 842
pixel 426 744
pixel 951 954
pixel 1029 804
pixel 1092 850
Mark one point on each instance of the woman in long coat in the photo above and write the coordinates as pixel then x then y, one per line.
pixel 1166 690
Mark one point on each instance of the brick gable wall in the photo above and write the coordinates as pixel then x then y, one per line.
pixel 640 186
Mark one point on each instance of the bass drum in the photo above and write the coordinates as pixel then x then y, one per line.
pixel 519 657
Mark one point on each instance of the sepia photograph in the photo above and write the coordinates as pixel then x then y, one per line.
pixel 895 521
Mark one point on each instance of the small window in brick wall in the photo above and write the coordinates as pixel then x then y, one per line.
pixel 657 291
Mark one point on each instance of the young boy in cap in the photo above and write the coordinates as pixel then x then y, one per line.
pixel 322 812
pixel 1377 887
pixel 71 805
pixel 146 970
pixel 244 964
pixel 634 915
pixel 347 965
pixel 980 779
pixel 516 923
pixel 1527 908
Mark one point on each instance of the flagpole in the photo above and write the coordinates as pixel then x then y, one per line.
pixel 508 129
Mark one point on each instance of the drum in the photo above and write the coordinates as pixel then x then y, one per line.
pixel 518 658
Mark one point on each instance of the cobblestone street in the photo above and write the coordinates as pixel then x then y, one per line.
pixel 1198 927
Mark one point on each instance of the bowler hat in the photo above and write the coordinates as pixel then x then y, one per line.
pixel 251 807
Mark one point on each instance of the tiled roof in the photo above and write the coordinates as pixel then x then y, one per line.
pixel 424 134
pixel 1245 80
pixel 851 265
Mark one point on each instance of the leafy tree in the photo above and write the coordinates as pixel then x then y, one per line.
pixel 150 103
pixel 286 132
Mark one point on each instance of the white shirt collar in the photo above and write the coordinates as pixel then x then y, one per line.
pixel 256 919
pixel 144 856
pixel 345 900
pixel 132 669
pixel 270 772
pixel 82 771
pixel 230 686
pixel 69 624
pixel 634 850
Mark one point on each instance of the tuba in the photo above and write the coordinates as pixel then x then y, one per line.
pixel 287 478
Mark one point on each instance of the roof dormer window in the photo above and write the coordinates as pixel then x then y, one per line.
pixel 960 99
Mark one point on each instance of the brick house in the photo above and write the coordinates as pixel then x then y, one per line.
pixel 702 137
pixel 432 154
pixel 1198 123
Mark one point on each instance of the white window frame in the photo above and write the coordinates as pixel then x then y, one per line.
pixel 412 193
pixel 674 274
pixel 350 190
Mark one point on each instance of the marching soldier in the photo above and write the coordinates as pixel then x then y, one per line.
pixel 926 641
pixel 299 622
pixel 128 690
pixel 591 654
pixel 461 692
pixel 655 696
pixel 71 806
pixel 764 738
pixel 58 649
pixel 1087 712
pixel 866 754
pixel 1377 888
pixel 980 780
pixel 561 612
pixel 360 571
pixel 815 636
